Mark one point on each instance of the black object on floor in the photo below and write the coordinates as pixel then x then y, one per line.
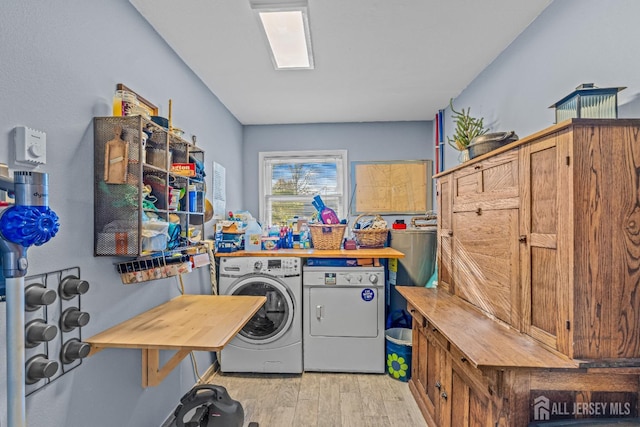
pixel 209 406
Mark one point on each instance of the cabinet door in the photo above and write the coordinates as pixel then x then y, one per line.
pixel 445 233
pixel 419 361
pixel 485 261
pixel 469 406
pixel 442 386
pixel 544 303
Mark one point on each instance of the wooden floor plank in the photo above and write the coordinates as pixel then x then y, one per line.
pixel 329 402
pixel 320 399
pixel 351 409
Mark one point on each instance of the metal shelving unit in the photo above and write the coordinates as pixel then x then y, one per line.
pixel 134 184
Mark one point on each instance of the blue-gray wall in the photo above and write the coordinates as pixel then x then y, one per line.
pixel 59 64
pixel 571 42
pixel 364 142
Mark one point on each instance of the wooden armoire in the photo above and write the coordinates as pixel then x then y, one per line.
pixel 536 316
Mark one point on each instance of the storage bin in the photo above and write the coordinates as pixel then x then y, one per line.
pixel 155 235
pixel 158 157
pixel 327 236
pixel 374 237
pixel 398 346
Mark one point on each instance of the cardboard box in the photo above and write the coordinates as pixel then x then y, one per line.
pixel 184 169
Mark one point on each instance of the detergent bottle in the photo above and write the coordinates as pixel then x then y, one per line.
pixel 327 215
pixel 253 236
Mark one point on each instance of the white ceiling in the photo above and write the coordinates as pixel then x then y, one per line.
pixel 375 60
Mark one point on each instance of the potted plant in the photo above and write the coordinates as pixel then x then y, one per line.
pixel 467 128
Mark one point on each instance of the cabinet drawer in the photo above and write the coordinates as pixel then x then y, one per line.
pixel 420 323
pixel 435 336
pixel 492 179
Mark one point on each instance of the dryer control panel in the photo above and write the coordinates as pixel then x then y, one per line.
pixel 344 276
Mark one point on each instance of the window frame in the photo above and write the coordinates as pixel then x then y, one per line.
pixel 342 175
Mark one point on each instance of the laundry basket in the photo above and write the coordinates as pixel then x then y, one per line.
pixel 327 236
pixel 376 233
pixel 398 346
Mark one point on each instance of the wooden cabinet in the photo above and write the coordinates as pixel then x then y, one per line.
pixel 448 392
pixel 137 193
pixel 479 250
pixel 543 295
pixel 579 220
pixel 537 312
pixel 470 370
pixel 542 235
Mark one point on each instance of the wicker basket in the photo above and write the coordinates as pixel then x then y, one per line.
pixel 370 237
pixel 327 236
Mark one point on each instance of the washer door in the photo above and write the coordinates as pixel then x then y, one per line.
pixel 274 317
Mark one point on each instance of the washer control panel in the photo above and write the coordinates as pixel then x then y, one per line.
pixel 278 267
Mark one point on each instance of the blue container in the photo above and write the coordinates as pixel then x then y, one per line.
pixel 398 345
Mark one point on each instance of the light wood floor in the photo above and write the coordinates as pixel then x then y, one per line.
pixel 322 399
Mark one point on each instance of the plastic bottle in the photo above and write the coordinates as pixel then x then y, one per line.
pixel 304 236
pixel 327 215
pixel 253 236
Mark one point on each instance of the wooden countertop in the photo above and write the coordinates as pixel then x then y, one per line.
pixel 184 324
pixel 317 253
pixel 483 341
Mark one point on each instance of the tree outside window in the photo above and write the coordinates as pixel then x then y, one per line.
pixel 289 180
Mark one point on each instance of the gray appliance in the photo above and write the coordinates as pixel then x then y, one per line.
pixel 344 319
pixel 272 339
pixel 418 243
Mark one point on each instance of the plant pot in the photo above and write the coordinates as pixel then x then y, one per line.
pixel 463 156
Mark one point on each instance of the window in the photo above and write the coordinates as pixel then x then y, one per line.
pixel 290 179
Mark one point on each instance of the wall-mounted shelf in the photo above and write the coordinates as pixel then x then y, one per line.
pixel 136 191
pixel 183 324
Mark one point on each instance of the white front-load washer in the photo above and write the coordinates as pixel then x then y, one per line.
pixel 272 340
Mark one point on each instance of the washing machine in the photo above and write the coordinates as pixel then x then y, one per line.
pixel 344 319
pixel 272 340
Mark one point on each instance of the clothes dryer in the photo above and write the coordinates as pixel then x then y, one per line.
pixel 272 340
pixel 344 323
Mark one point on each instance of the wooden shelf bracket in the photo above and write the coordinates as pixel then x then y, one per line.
pixel 152 374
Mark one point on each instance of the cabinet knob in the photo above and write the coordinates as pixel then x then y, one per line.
pixel 463 359
pixel 438 385
pixel 450 232
pixel 523 239
pixel 444 395
pixel 479 211
pixel 477 167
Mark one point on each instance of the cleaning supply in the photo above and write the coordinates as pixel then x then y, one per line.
pixel 304 240
pixel 327 215
pixel 253 236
